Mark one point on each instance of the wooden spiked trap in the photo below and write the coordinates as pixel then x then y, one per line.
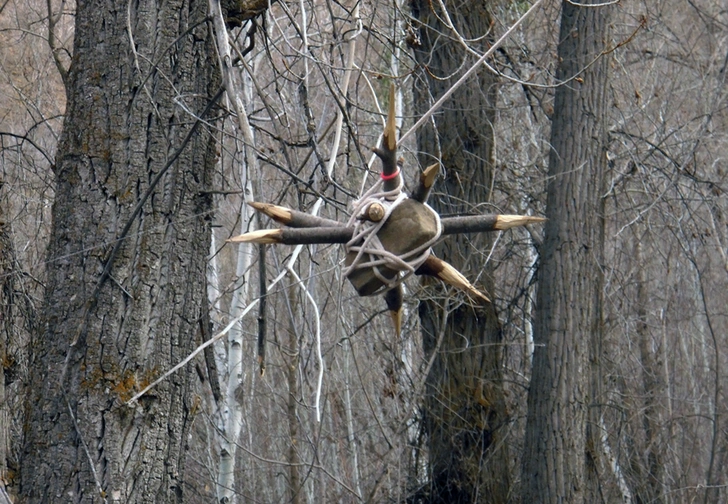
pixel 390 234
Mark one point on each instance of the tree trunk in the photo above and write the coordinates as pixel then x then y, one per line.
pixel 120 312
pixel 568 320
pixel 654 392
pixel 464 411
pixel 7 291
pixel 13 335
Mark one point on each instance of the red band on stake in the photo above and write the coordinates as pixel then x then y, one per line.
pixel 390 177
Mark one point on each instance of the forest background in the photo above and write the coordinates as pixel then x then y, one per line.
pixel 132 133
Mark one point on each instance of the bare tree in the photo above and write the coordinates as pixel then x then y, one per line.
pixel 568 319
pixel 464 415
pixel 126 260
pixel 667 192
pixel 31 98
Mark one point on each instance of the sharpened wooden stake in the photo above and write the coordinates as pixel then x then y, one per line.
pixel 387 153
pixel 293 236
pixel 397 321
pixel 395 299
pixel 504 222
pixel 390 130
pixel 427 180
pixel 429 175
pixel 292 218
pixel 275 212
pixel 447 273
pixel 264 236
pixel 488 222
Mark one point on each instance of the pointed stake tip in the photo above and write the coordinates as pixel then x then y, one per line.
pixel 390 129
pixel 397 321
pixel 275 212
pixel 451 276
pixel 263 236
pixel 429 174
pixel 504 222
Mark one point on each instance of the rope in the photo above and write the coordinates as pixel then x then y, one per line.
pixel 365 241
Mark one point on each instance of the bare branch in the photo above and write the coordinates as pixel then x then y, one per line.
pixel 426 116
pixel 263 296
pixel 56 50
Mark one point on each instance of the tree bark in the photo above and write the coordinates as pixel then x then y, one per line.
pixel 654 392
pixel 13 335
pixel 568 319
pixel 115 317
pixel 7 291
pixel 464 410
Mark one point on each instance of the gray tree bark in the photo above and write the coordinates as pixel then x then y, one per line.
pixel 7 290
pixel 654 392
pixel 568 319
pixel 464 411
pixel 8 338
pixel 123 307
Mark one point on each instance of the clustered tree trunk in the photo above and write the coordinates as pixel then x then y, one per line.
pixel 464 411
pixel 126 260
pixel 568 320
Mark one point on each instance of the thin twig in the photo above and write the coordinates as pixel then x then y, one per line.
pixel 206 344
pixel 468 73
